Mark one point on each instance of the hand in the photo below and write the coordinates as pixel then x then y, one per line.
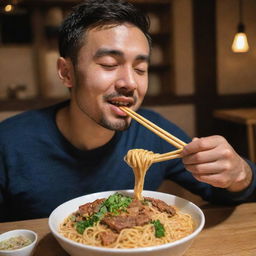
pixel 212 160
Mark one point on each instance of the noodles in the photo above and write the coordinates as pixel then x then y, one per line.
pixel 139 160
pixel 123 222
pixel 176 227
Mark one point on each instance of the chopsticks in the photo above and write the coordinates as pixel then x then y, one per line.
pixel 156 129
pixel 167 156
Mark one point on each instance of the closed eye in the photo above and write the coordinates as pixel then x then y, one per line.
pixel 108 66
pixel 140 71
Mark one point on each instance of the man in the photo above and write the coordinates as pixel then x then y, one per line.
pixel 77 147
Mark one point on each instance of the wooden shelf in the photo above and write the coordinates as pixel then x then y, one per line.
pixel 72 2
pixel 17 104
pixel 45 41
pixel 40 102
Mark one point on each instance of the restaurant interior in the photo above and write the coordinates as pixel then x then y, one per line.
pixel 198 77
pixel 202 73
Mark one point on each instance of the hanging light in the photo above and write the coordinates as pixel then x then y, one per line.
pixel 8 8
pixel 11 7
pixel 240 43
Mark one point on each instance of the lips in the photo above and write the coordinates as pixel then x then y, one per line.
pixel 127 102
pixel 118 102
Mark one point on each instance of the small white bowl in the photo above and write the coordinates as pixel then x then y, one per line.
pixel 176 248
pixel 24 251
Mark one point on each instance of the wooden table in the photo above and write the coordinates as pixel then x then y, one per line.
pixel 245 116
pixel 229 231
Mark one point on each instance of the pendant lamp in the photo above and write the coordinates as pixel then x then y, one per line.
pixel 240 43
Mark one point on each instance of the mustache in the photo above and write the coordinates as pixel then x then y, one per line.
pixel 117 94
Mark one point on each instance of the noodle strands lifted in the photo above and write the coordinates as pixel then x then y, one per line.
pixel 139 160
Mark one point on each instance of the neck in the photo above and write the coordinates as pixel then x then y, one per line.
pixel 82 132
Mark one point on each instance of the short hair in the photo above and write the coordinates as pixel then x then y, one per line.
pixel 94 13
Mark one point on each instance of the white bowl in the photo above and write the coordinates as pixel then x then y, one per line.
pixel 24 251
pixel 176 248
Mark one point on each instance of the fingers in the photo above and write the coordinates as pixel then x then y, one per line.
pixel 209 149
pixel 216 180
pixel 202 144
pixel 201 157
pixel 205 168
pixel 211 160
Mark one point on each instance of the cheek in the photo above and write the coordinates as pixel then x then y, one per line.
pixel 143 87
pixel 100 81
pixel 94 82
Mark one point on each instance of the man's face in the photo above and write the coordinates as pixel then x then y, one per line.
pixel 111 70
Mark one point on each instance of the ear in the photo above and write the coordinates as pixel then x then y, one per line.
pixel 65 71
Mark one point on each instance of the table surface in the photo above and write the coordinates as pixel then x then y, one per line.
pixel 239 115
pixel 246 116
pixel 229 231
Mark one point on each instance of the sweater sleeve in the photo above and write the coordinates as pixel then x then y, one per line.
pixel 246 195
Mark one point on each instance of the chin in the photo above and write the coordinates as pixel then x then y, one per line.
pixel 121 124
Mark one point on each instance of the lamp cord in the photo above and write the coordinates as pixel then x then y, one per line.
pixel 240 12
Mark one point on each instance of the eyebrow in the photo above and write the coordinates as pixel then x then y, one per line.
pixel 105 52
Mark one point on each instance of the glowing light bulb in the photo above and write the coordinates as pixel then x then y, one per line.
pixel 240 43
pixel 8 8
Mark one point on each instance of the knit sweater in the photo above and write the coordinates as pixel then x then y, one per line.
pixel 40 168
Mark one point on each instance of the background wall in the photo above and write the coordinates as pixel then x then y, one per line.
pixel 235 71
pixel 183 47
pixel 16 68
pixel 181 115
pixel 182 42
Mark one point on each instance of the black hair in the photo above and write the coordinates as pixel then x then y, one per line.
pixel 94 13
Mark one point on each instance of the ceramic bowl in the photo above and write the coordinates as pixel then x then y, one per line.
pixel 24 251
pixel 176 248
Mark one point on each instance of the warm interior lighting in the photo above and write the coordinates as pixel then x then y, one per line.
pixel 8 8
pixel 240 43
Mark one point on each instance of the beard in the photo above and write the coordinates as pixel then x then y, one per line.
pixel 120 125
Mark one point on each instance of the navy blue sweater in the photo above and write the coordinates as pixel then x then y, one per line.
pixel 40 169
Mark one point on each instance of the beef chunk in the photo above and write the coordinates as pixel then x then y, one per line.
pixel 108 237
pixel 161 205
pixel 91 208
pixel 117 223
pixel 136 207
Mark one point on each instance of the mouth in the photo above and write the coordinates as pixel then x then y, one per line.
pixel 120 102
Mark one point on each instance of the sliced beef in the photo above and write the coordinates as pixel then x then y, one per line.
pixel 161 205
pixel 135 203
pixel 142 219
pixel 136 207
pixel 117 223
pixel 90 208
pixel 108 237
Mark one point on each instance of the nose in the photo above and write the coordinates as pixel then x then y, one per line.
pixel 126 80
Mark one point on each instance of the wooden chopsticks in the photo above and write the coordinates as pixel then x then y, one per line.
pixel 161 133
pixel 167 156
pixel 154 128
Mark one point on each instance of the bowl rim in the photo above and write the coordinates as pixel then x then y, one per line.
pixel 21 231
pixel 130 250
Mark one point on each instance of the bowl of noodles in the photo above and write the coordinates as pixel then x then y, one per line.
pixel 116 223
